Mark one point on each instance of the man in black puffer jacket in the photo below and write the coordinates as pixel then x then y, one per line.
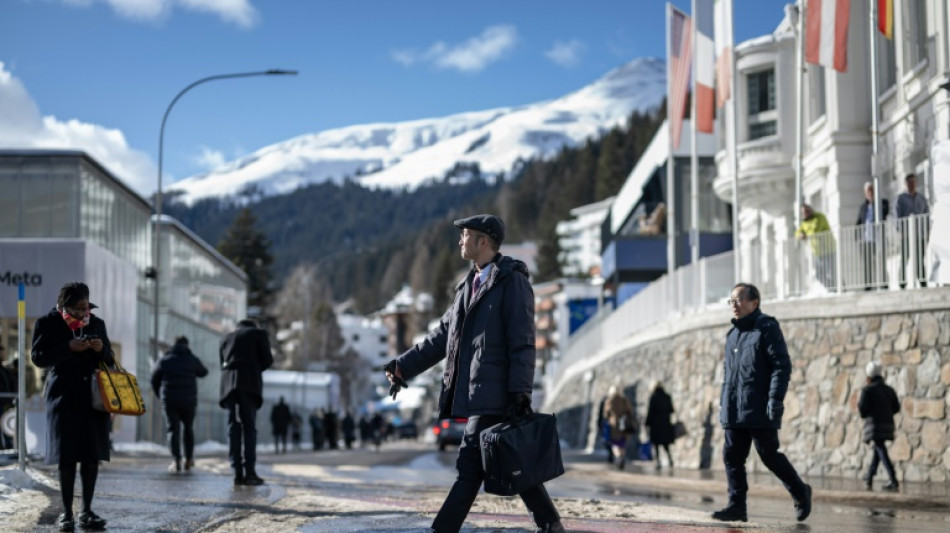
pixel 174 379
pixel 754 383
pixel 878 404
pixel 487 340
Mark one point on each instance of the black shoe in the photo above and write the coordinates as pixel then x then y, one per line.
pixel 731 513
pixel 891 486
pixel 239 480
pixel 803 505
pixel 66 522
pixel 90 521
pixel 555 527
pixel 251 478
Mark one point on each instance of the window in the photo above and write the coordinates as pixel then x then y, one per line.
pixel 915 33
pixel 762 115
pixel 886 63
pixel 816 92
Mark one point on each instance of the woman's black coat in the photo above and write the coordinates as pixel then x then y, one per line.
pixel 75 432
pixel 658 417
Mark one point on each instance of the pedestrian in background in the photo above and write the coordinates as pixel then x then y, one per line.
pixel 377 428
pixel 349 430
pixel 296 424
pixel 878 404
pixel 280 422
pixel 71 343
pixel 245 354
pixel 365 430
pixel 621 419
pixel 815 229
pixel 316 428
pixel 330 428
pixel 487 340
pixel 872 239
pixel 175 381
pixel 659 411
pixel 912 203
pixel 603 429
pixel 755 380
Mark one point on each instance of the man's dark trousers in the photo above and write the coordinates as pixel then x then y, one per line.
pixel 176 416
pixel 242 429
pixel 736 451
pixel 469 481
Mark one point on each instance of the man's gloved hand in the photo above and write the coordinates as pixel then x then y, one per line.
pixel 519 403
pixel 775 410
pixel 394 375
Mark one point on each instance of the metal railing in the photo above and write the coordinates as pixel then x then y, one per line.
pixel 889 254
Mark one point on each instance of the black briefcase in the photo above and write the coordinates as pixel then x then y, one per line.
pixel 521 454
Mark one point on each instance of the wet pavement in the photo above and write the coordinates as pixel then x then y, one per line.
pixel 400 489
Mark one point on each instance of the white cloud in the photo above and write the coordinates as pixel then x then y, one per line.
pixel 566 54
pixel 210 158
pixel 239 12
pixel 22 127
pixel 471 56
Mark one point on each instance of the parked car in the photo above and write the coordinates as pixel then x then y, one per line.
pixel 449 431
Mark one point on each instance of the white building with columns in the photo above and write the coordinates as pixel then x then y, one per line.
pixel 913 70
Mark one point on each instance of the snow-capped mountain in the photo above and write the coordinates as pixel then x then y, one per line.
pixel 407 154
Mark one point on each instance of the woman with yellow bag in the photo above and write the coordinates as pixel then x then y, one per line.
pixel 71 342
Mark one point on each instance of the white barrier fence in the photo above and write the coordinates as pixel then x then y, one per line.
pixel 890 254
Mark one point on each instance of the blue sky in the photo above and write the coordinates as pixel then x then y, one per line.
pixel 99 74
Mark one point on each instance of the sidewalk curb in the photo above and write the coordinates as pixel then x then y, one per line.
pixel 895 499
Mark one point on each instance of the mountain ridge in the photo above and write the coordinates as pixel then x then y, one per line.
pixel 410 153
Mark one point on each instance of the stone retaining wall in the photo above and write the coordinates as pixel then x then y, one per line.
pixel 830 341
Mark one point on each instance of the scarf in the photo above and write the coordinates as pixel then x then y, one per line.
pixel 72 322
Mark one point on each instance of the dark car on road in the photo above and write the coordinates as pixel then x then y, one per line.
pixel 449 431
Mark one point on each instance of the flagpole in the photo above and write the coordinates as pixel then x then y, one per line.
pixel 670 176
pixel 732 126
pixel 693 158
pixel 875 171
pixel 800 118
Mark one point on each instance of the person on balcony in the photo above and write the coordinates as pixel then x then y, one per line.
pixel 908 204
pixel 872 239
pixel 655 223
pixel 815 229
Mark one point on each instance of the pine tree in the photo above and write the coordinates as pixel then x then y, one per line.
pixel 248 248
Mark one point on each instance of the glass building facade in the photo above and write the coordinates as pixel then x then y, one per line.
pixel 59 196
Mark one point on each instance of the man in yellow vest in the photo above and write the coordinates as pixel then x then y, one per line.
pixel 815 228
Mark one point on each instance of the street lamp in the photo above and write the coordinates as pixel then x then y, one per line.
pixel 157 231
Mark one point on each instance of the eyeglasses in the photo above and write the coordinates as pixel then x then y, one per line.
pixel 733 301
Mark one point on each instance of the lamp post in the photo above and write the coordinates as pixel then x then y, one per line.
pixel 153 272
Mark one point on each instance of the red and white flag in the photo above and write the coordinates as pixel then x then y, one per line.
pixel 826 33
pixel 678 35
pixel 723 30
pixel 705 65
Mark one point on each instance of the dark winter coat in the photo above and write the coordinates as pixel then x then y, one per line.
pixel 615 408
pixel 878 404
pixel 658 417
pixel 757 369
pixel 75 432
pixel 245 354
pixel 487 341
pixel 174 377
pixel 280 418
pixel 863 210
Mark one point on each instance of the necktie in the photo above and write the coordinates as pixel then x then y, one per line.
pixel 476 285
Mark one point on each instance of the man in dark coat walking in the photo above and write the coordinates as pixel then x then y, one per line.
pixel 175 380
pixel 754 384
pixel 487 340
pixel 245 354
pixel 878 404
pixel 280 422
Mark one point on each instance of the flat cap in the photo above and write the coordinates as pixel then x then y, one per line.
pixel 488 224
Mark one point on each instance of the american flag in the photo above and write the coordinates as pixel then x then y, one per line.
pixel 678 66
